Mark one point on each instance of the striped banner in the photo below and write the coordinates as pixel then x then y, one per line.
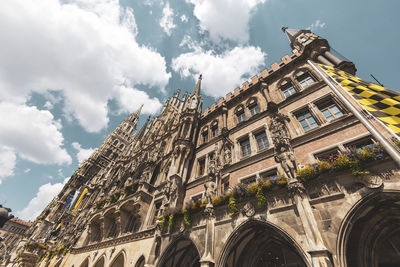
pixel 79 200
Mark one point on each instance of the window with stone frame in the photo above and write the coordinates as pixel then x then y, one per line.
pixel 262 140
pixel 204 135
pixel 214 129
pixel 248 180
pixel 225 185
pixel 304 78
pixel 241 116
pixel 306 120
pixel 328 155
pixel 288 88
pixel 271 175
pixel 201 166
pixel 157 208
pixel 360 143
pixel 253 106
pixel 329 109
pixel 245 147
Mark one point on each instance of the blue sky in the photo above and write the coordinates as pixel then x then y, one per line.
pixel 71 70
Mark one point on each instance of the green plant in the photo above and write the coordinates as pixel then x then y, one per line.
pixel 324 166
pixel 261 199
pixel 366 153
pixel 233 207
pixel 217 201
pixel 130 189
pixel 251 190
pixel 100 204
pixel 266 185
pixel 114 198
pixel 307 173
pixel 162 221
pixel 341 163
pixel 171 222
pixel 203 203
pixel 187 217
pixel 282 181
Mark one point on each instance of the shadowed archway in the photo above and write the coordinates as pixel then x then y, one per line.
pixel 259 244
pixel 182 252
pixel 119 261
pixel 85 263
pixel 370 233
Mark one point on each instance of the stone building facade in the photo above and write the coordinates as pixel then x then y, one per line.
pixel 277 173
pixel 11 233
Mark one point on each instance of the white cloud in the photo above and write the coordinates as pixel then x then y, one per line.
pixel 221 73
pixel 31 133
pixel 48 105
pixel 43 197
pixel 7 162
pixel 83 154
pixel 184 19
pixel 225 19
pixel 27 170
pixel 316 25
pixel 167 20
pixel 130 98
pixel 85 49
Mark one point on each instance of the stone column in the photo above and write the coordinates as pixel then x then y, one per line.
pixel 319 117
pixel 324 61
pixel 332 58
pixel 253 143
pixel 319 253
pixel 207 260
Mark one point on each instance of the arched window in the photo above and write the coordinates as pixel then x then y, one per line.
pixel 140 262
pixel 128 128
pixel 115 142
pixel 156 171
pixel 108 153
pixel 119 261
pixel 304 78
pixel 240 114
pixel 121 146
pixel 253 106
pixel 287 88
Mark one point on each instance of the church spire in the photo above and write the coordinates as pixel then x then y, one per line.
pixel 196 91
pixel 290 33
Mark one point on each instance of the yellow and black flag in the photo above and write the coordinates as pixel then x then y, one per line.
pixel 381 102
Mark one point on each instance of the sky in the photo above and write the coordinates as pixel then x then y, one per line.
pixel 72 70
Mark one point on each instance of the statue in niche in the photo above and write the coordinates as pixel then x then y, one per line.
pixel 279 132
pixel 210 191
pixel 227 155
pixel 285 157
pixel 212 167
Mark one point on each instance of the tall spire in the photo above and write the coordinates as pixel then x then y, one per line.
pixel 196 91
pixel 142 130
pixel 290 33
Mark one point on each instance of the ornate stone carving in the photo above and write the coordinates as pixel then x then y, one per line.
pixel 249 210
pixel 285 157
pixel 371 180
pixel 296 188
pixel 211 191
pixel 227 155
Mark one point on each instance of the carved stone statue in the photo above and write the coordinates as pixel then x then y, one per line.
pixel 227 155
pixel 211 191
pixel 212 167
pixel 286 158
pixel 279 132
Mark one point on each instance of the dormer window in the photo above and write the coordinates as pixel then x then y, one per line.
pixel 240 114
pixel 253 107
pixel 304 78
pixel 288 89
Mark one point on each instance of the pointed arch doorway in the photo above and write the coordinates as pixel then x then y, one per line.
pixel 182 252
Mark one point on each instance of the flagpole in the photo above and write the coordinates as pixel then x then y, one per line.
pixel 393 153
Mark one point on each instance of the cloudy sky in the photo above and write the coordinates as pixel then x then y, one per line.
pixel 71 70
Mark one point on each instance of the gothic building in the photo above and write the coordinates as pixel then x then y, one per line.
pixel 278 173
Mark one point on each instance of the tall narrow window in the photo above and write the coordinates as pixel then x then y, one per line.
pixel 330 110
pixel 262 140
pixel 201 166
pixel 214 129
pixel 288 89
pixel 240 114
pixel 253 107
pixel 305 79
pixel 204 135
pixel 245 147
pixel 306 120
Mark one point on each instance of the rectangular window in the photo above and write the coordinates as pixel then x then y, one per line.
pixel 271 175
pixel 214 131
pixel 262 141
pixel 329 155
pixel 332 112
pixel 157 207
pixel 241 117
pixel 245 147
pixel 204 135
pixel 225 185
pixel 202 166
pixel 305 80
pixel 249 180
pixel 307 121
pixel 360 144
pixel 288 90
pixel 254 110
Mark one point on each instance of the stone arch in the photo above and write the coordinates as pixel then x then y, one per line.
pixel 182 251
pixel 255 243
pixel 110 223
pixel 369 234
pixel 119 259
pixel 85 263
pixel 141 261
pixel 95 229
pixel 131 218
pixel 100 261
